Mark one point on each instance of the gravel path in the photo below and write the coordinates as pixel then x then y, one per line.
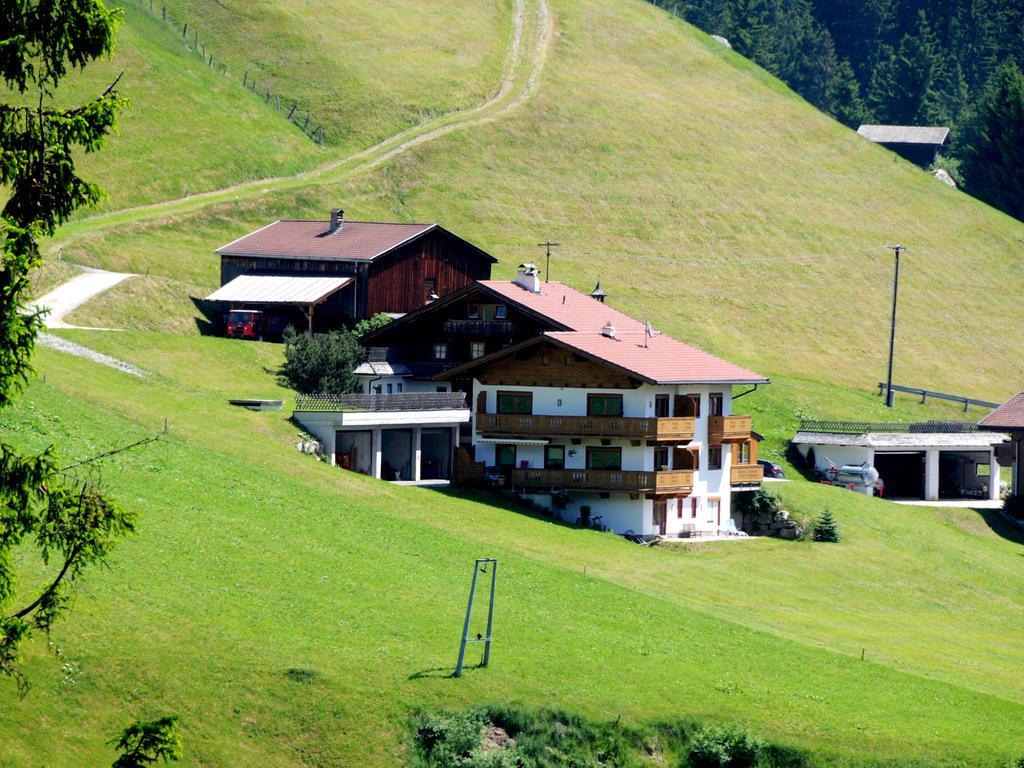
pixel 67 297
pixel 71 348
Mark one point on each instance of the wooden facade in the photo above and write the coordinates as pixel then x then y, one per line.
pixel 548 365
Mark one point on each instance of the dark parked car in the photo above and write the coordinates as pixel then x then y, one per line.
pixel 771 469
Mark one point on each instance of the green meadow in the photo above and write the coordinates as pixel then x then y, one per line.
pixel 296 615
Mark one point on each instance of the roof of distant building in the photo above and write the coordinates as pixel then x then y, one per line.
pixel 906 440
pixel 350 241
pixel 1008 416
pixel 905 134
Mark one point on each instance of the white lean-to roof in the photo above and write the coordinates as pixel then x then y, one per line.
pixel 382 369
pixel 278 289
pixel 905 134
pixel 907 441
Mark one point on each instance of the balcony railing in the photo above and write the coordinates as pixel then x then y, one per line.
pixel 746 474
pixel 681 428
pixel 728 429
pixel 671 481
pixel 406 401
pixel 479 327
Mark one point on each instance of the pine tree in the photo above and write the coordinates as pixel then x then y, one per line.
pixel 825 527
pixel 992 154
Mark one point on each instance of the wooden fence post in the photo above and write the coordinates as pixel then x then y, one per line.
pixel 292 110
pixel 245 78
pixel 165 13
pixel 184 30
pixel 277 102
pixel 306 124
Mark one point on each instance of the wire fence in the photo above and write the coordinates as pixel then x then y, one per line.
pixel 312 127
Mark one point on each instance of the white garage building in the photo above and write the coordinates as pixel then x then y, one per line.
pixel 930 461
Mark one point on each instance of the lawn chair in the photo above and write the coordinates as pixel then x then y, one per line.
pixel 732 530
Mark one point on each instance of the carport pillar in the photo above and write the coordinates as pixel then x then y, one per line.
pixel 994 477
pixel 931 474
pixel 376 449
pixel 417 453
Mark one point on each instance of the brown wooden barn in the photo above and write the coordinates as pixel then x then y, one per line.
pixel 389 267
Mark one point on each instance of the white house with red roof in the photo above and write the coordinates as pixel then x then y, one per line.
pixel 1009 418
pixel 635 428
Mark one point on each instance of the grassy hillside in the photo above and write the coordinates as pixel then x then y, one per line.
pixel 364 70
pixel 295 615
pixel 704 195
pixel 253 560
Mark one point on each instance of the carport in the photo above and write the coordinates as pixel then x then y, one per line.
pixel 931 460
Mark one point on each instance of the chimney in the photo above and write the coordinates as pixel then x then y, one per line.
pixel 608 330
pixel 598 293
pixel 337 219
pixel 528 277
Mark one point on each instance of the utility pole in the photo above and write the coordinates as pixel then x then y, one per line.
pixel 896 249
pixel 547 262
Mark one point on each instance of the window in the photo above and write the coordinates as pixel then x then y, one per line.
pixel 714 508
pixel 660 458
pixel 715 404
pixel 741 454
pixel 983 470
pixel 604 458
pixel 440 351
pixel 500 312
pixel 515 402
pixel 568 360
pixel 473 311
pixel 505 456
pixel 554 457
pixel 714 457
pixel 694 407
pixel 477 349
pixel 604 405
pixel 389 388
pixel 661 406
pixel 693 507
pixel 398 387
pixel 441 388
pixel 430 287
pixel 679 509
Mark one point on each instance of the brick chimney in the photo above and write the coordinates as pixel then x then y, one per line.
pixel 337 219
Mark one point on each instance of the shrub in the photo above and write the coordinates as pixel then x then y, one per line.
pixel 1014 507
pixel 724 748
pixel 363 327
pixel 448 738
pixel 320 364
pixel 825 527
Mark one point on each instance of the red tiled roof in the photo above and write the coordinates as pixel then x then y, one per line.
pixel 1009 415
pixel 353 241
pixel 662 361
pixel 565 306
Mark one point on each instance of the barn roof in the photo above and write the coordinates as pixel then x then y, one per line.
pixel 905 134
pixel 1008 416
pixel 278 289
pixel 352 241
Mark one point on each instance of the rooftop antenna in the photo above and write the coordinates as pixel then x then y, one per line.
pixel 480 566
pixel 547 263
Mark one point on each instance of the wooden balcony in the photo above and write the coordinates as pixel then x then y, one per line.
pixel 671 481
pixel 500 424
pixel 728 429
pixel 746 474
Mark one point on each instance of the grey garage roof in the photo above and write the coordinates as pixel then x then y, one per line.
pixel 905 134
pixel 904 441
pixel 278 289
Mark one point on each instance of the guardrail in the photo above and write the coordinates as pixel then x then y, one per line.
pixel 926 393
pixel 746 474
pixel 406 401
pixel 729 428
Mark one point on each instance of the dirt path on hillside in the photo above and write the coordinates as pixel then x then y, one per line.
pixel 513 91
pixel 67 297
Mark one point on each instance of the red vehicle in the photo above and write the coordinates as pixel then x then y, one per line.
pixel 245 324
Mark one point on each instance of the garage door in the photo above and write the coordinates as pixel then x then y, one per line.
pixel 903 474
